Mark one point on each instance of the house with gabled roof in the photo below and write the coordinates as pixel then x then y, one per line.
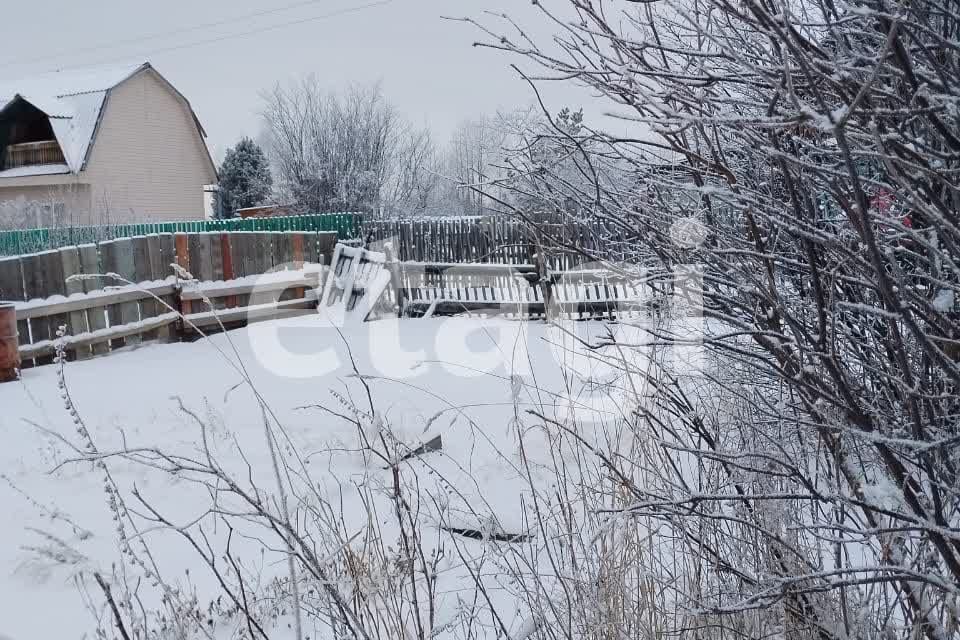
pixel 112 144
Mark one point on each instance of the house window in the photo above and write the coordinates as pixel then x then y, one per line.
pixel 28 154
pixel 27 138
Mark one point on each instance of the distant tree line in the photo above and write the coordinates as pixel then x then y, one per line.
pixel 322 150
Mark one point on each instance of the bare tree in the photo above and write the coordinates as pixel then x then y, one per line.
pixel 474 161
pixel 813 480
pixel 331 153
pixel 414 186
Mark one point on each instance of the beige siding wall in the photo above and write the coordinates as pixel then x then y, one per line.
pixel 50 205
pixel 148 161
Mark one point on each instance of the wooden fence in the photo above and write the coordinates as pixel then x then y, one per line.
pixel 499 240
pixel 103 314
pixel 511 274
pixel 521 291
pixel 487 239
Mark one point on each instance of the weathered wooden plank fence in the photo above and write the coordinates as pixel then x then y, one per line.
pixel 512 274
pixel 103 314
pixel 487 239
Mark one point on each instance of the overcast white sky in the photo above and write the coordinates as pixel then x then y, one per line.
pixel 428 66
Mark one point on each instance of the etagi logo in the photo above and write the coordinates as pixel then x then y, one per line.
pixel 517 320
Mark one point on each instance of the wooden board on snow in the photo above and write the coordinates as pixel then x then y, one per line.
pixel 357 280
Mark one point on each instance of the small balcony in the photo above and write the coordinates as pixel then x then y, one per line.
pixel 29 154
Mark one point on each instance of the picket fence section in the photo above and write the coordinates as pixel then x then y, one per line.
pixel 499 240
pixel 521 291
pixel 19 242
pixel 104 314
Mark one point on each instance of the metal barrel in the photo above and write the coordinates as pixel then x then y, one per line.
pixel 9 353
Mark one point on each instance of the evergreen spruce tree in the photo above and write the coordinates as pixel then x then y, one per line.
pixel 245 179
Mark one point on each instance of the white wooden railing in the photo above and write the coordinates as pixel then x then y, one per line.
pixel 28 154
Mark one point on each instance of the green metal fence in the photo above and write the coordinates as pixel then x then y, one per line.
pixel 12 243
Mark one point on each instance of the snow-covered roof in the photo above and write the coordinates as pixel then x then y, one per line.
pixel 72 100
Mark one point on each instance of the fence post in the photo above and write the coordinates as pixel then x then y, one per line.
pixel 90 263
pixel 543 276
pixel 70 257
pixel 226 251
pixel 395 279
pixel 157 271
pixel 126 267
pixel 182 244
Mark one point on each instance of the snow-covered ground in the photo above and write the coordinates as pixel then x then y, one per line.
pixel 471 381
